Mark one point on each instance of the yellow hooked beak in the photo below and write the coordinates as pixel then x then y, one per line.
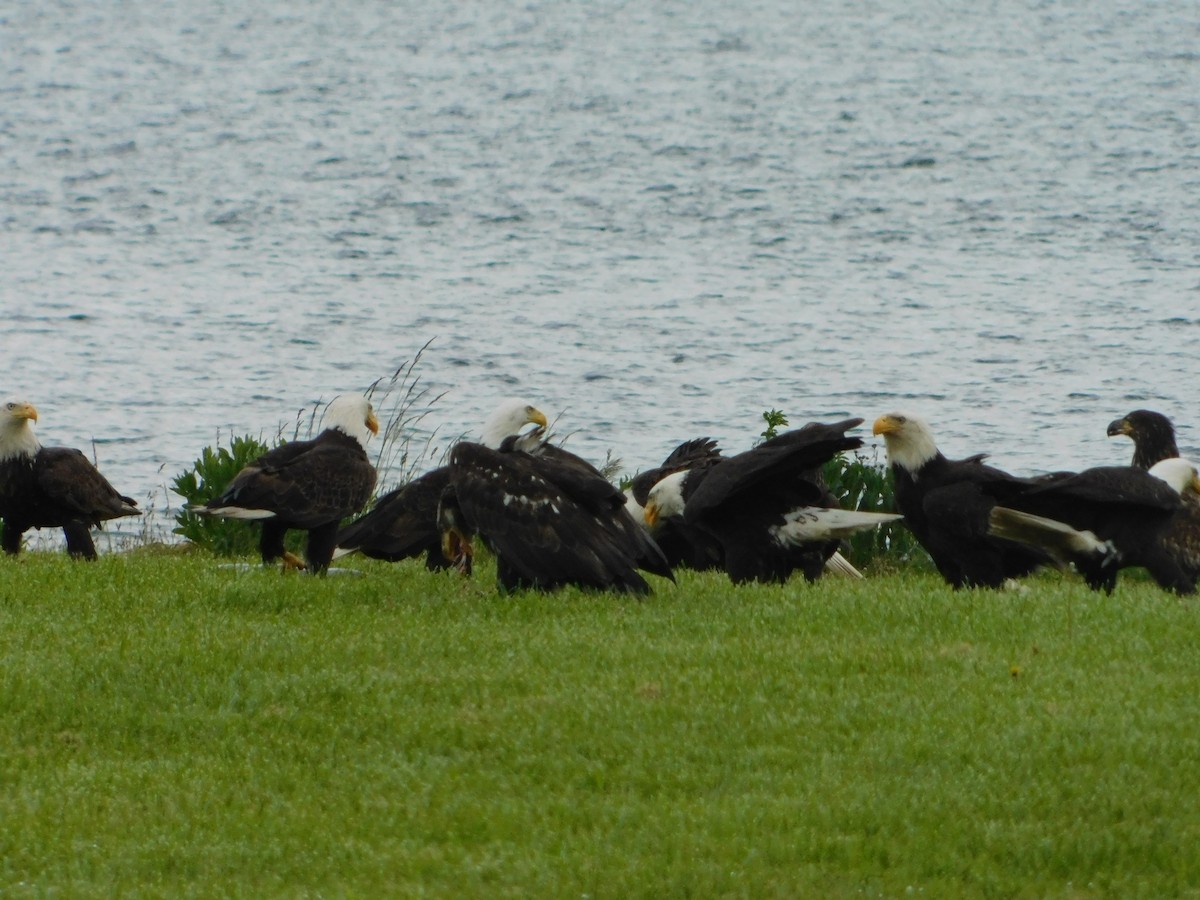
pixel 536 416
pixel 1120 426
pixel 24 411
pixel 372 423
pixel 885 425
pixel 650 514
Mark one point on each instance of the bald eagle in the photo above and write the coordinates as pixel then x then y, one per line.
pixel 403 523
pixel 1109 518
pixel 1153 436
pixel 767 507
pixel 311 485
pixel 682 544
pixel 551 518
pixel 50 487
pixel 946 503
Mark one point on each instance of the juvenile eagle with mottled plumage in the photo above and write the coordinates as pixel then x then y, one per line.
pixel 1108 518
pixel 550 517
pixel 1152 433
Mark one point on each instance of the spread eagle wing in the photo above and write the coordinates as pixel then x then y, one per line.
pixel 791 459
pixel 1108 486
pixel 693 455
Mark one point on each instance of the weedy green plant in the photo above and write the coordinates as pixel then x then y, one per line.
pixel 775 420
pixel 206 479
pixel 861 482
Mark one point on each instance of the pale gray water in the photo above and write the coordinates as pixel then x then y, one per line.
pixel 657 219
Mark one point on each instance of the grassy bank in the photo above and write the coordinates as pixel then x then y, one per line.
pixel 173 727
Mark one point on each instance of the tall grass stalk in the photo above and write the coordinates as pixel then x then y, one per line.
pixel 402 403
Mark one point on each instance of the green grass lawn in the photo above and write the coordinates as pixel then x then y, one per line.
pixel 173 727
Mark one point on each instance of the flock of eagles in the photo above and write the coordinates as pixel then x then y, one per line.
pixel 552 519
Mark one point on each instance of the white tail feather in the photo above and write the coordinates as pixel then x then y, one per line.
pixel 814 523
pixel 234 512
pixel 839 565
pixel 1060 540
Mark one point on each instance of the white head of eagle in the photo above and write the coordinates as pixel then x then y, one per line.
pixel 909 440
pixel 17 437
pixel 507 419
pixel 665 499
pixel 352 415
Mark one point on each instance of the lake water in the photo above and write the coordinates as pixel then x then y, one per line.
pixel 656 220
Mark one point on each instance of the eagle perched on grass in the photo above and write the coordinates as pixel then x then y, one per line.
pixel 946 503
pixel 551 518
pixel 311 485
pixel 50 487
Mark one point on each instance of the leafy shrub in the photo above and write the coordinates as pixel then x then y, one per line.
pixel 208 477
pixel 863 483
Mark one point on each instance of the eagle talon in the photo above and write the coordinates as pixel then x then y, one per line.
pixel 291 562
pixel 457 550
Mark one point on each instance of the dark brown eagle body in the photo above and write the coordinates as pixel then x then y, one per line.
pixel 552 520
pixel 403 523
pixel 1181 540
pixel 57 488
pixel 946 504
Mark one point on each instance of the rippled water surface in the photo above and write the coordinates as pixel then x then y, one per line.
pixel 657 220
